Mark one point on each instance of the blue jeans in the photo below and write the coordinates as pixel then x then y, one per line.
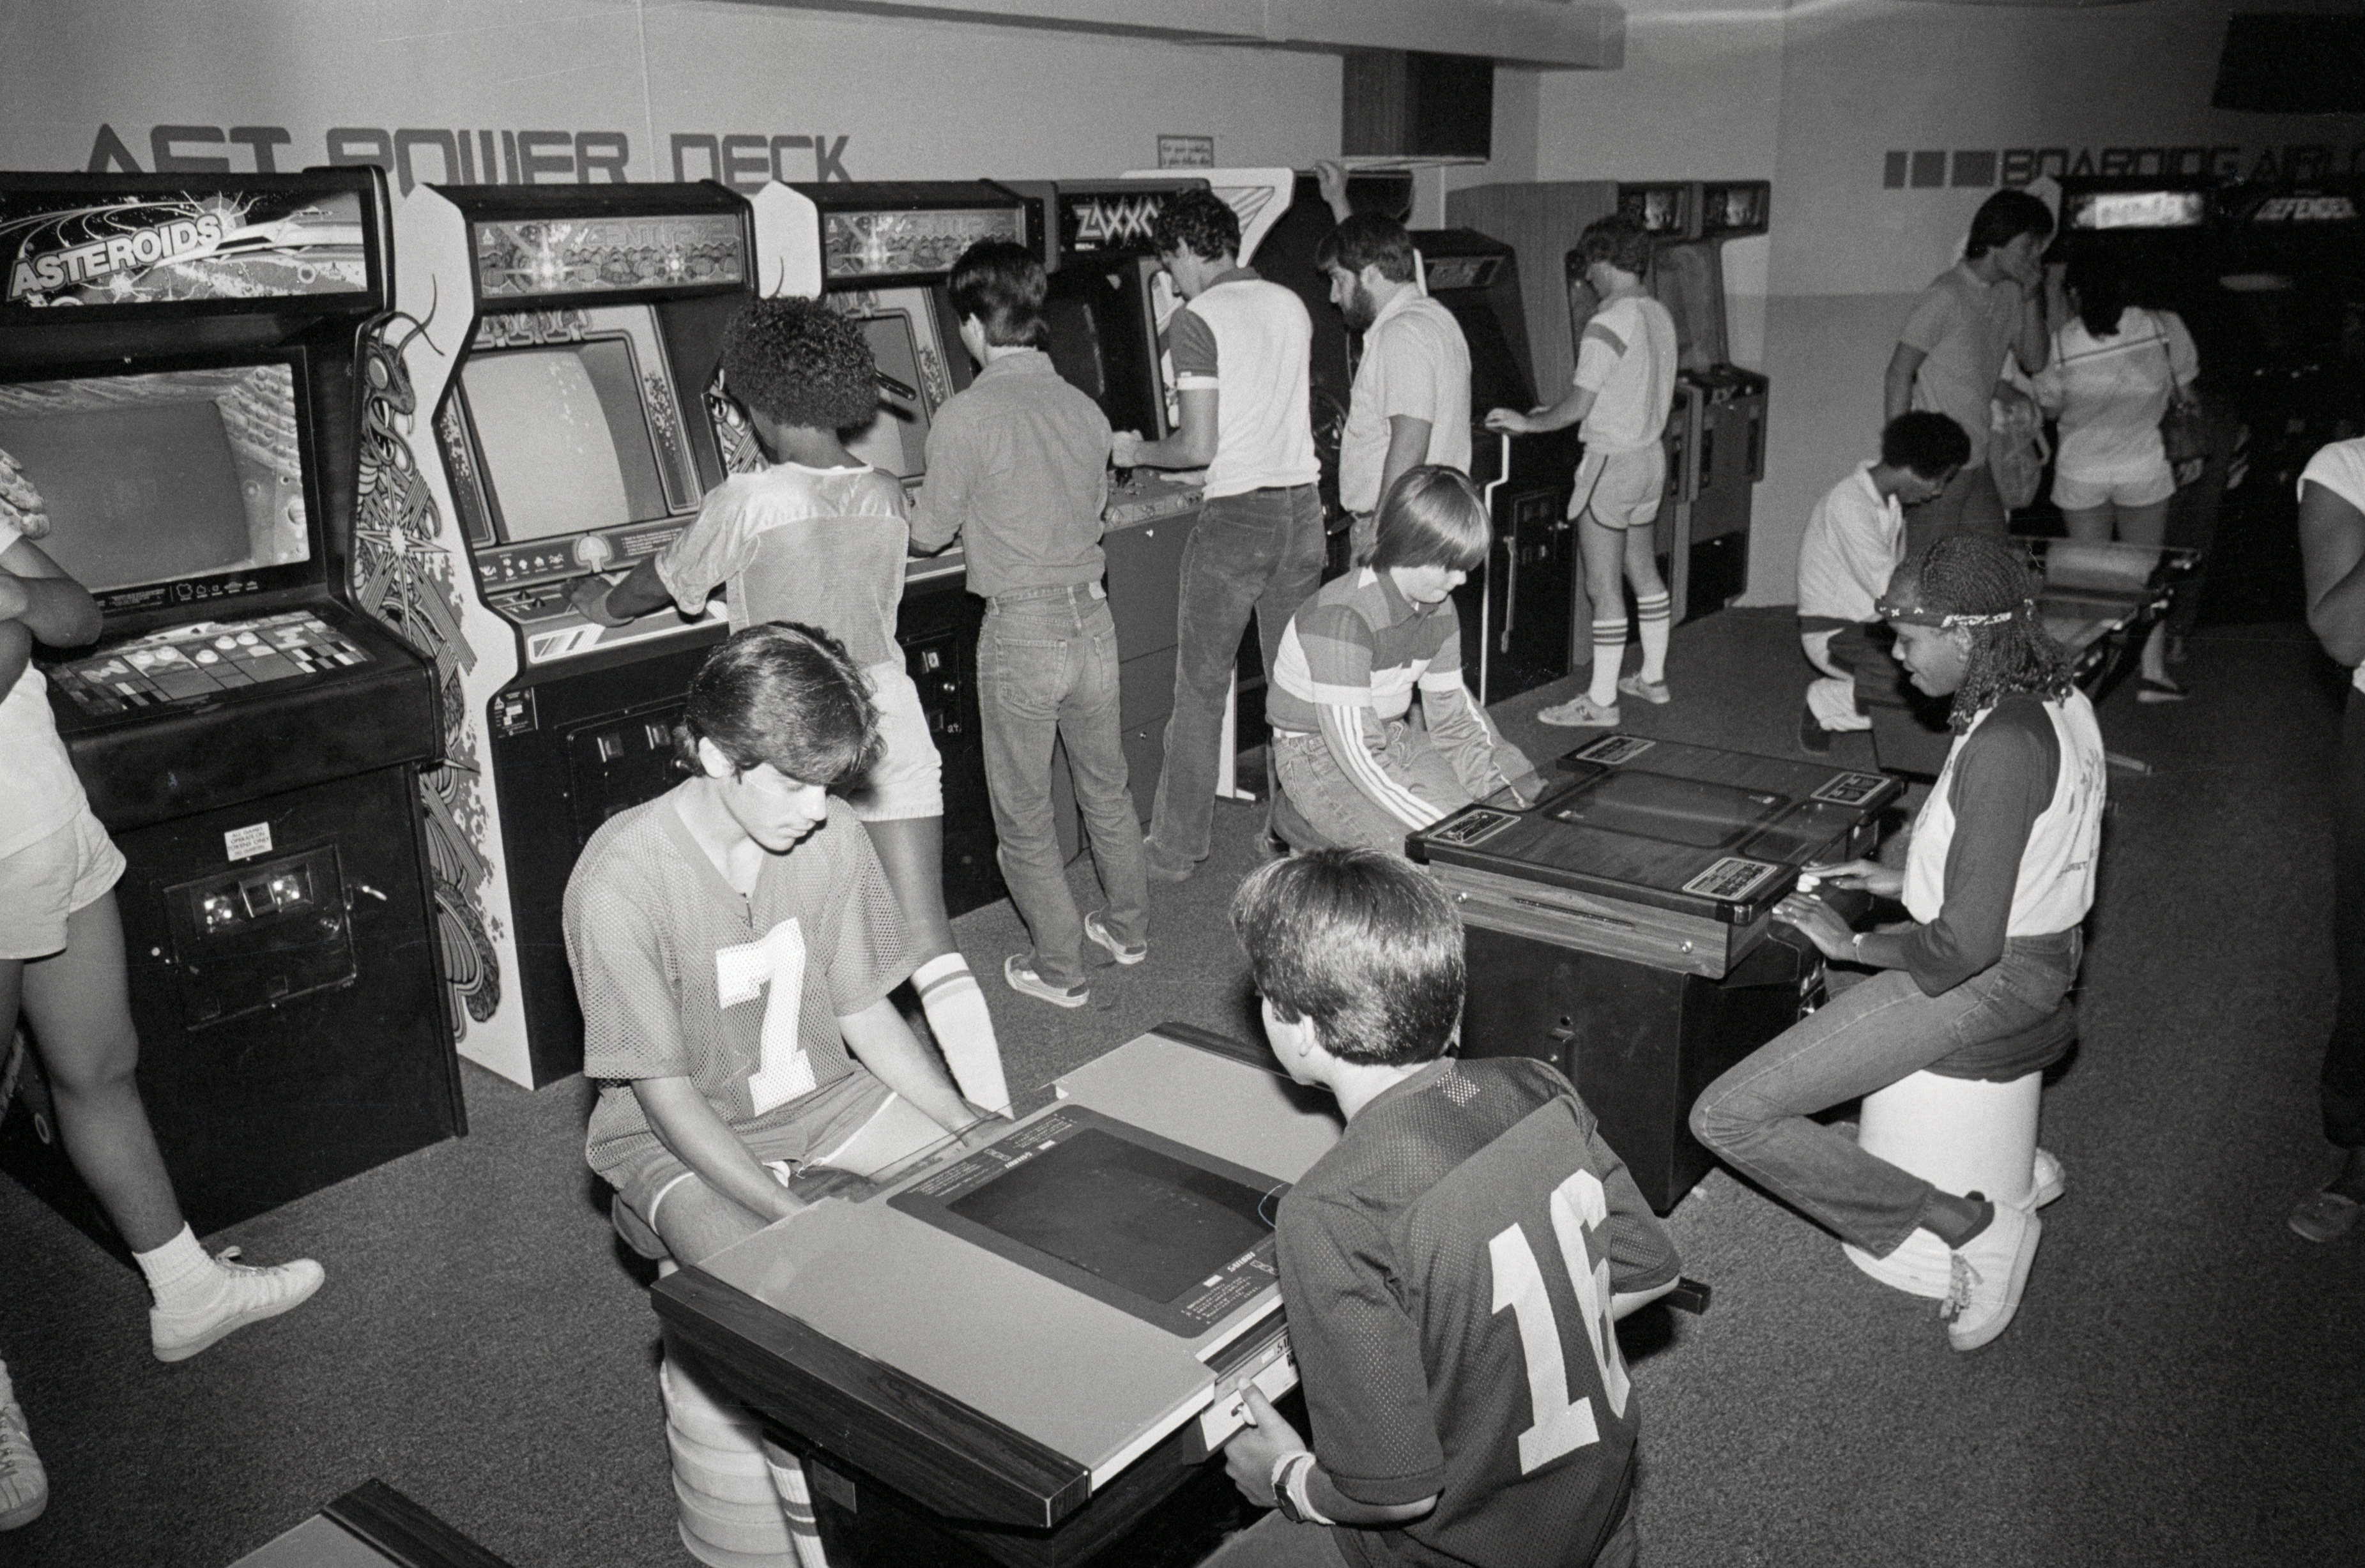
pixel 1258 552
pixel 1756 1117
pixel 1047 666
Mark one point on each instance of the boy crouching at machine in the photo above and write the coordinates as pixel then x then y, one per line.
pixel 734 944
pixel 1453 1267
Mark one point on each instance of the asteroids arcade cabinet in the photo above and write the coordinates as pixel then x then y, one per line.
pixel 537 413
pixel 177 377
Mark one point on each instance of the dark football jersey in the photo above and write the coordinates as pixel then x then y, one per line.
pixel 1448 1269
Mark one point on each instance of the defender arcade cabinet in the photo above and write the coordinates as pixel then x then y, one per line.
pixel 178 362
pixel 538 412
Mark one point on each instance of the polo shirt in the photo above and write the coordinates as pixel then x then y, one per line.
pixel 1250 343
pixel 1018 467
pixel 1415 364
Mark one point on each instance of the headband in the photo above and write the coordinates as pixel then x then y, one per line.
pixel 1915 615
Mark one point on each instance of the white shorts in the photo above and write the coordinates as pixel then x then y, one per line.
pixel 2085 495
pixel 51 878
pixel 908 779
pixel 1621 490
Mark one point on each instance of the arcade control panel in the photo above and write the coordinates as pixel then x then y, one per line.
pixel 205 658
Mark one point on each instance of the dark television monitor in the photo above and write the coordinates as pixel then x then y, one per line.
pixel 1173 1235
pixel 569 429
pixel 164 477
pixel 1696 812
pixel 915 380
pixel 1102 341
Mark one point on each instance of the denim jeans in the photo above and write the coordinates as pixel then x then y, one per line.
pixel 1756 1117
pixel 1258 552
pixel 1047 666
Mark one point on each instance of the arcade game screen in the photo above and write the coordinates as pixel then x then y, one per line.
pixel 158 477
pixel 902 336
pixel 565 445
pixel 570 422
pixel 1174 1237
pixel 1102 344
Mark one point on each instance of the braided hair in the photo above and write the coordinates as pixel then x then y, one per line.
pixel 1985 588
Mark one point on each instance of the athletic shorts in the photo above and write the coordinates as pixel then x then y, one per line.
pixel 51 878
pixel 2085 495
pixel 1621 490
pixel 908 779
pixel 827 1119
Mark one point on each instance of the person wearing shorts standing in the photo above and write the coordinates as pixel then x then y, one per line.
pixel 1625 385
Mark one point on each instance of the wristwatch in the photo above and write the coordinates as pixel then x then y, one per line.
pixel 1287 1468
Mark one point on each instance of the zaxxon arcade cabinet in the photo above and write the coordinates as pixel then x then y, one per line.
pixel 1621 927
pixel 537 413
pixel 177 377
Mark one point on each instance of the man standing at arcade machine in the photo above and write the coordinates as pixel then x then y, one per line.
pixel 1242 372
pixel 1410 401
pixel 1950 355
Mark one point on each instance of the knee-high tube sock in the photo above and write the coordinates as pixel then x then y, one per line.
pixel 1655 616
pixel 1608 658
pixel 964 1029
pixel 797 1503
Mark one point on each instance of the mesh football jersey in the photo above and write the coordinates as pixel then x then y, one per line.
pixel 1448 1269
pixel 678 976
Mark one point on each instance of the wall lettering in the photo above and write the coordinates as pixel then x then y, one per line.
pixel 413 155
pixel 1979 168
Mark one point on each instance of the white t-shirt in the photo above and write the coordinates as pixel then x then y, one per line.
pixel 2110 392
pixel 1626 358
pixel 1250 343
pixel 1416 362
pixel 1855 541
pixel 2340 468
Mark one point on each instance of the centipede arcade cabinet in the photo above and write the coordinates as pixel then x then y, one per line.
pixel 557 342
pixel 177 377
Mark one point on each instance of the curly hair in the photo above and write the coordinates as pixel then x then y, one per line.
pixel 1199 222
pixel 801 362
pixel 1620 240
pixel 1976 578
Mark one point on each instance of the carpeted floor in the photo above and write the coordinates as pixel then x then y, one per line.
pixel 2186 1381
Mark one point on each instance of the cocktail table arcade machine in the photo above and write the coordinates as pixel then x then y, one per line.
pixel 1026 1349
pixel 1620 926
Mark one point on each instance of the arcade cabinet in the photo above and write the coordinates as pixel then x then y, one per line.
pixel 1518 628
pixel 881 252
pixel 179 376
pixel 1621 927
pixel 2290 262
pixel 536 414
pixel 1716 432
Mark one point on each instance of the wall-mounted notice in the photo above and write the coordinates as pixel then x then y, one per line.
pixel 1186 151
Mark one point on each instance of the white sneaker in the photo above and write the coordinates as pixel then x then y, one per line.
pixel 1027 981
pixel 242 1295
pixel 1986 1274
pixel 1097 929
pixel 2045 1179
pixel 24 1484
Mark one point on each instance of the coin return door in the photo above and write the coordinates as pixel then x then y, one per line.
pixel 253 938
